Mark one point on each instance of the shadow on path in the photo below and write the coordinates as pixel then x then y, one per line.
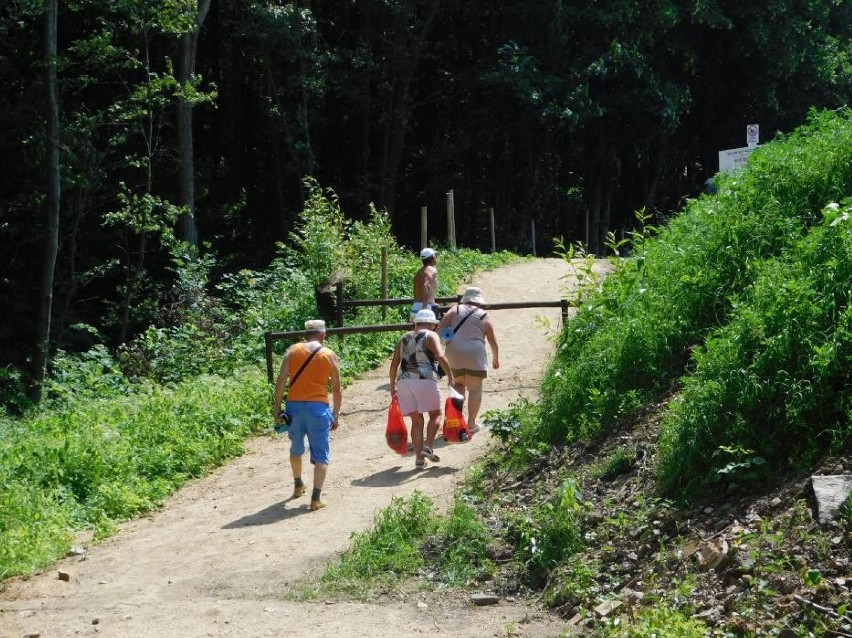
pixel 398 476
pixel 268 515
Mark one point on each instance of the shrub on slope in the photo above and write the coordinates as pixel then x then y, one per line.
pixel 774 385
pixel 633 339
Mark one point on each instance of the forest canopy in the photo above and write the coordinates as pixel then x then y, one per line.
pixel 137 132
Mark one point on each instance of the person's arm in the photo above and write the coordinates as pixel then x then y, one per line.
pixel 336 391
pixel 280 384
pixel 394 367
pixel 434 344
pixel 492 341
pixel 432 284
pixel 447 319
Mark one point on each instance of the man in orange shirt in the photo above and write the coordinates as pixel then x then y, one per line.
pixel 310 366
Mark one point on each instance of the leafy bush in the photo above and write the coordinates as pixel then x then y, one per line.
pixel 551 532
pixel 632 340
pixel 776 379
pixel 100 460
pixel 661 621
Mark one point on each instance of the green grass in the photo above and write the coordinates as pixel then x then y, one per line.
pixel 661 621
pixel 632 341
pixel 773 383
pixel 406 537
pixel 636 339
pixel 98 461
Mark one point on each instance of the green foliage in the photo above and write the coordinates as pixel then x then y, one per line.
pixel 405 537
pixel 34 525
pixel 388 551
pixel 97 460
pixel 460 546
pixel 633 339
pixel 772 383
pixel 551 532
pixel 620 462
pixel 660 621
pixel 320 237
pixel 507 424
pixel 13 392
pixel 88 375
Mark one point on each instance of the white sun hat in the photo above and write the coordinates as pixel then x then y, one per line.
pixel 425 316
pixel 473 295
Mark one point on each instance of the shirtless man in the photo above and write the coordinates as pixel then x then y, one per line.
pixel 425 283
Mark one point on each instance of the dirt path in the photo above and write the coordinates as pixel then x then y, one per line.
pixel 215 559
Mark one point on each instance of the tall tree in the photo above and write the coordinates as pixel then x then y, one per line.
pixel 53 186
pixel 186 100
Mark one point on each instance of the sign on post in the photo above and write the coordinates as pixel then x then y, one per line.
pixel 752 135
pixel 734 159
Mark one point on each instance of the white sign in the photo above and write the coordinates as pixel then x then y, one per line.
pixel 752 135
pixel 734 158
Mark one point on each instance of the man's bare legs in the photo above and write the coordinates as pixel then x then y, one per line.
pixel 320 471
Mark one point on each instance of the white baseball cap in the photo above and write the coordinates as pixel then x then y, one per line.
pixel 427 253
pixel 315 325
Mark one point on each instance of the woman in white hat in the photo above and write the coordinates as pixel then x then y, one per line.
pixel 416 357
pixel 466 327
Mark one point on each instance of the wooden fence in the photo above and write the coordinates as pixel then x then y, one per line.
pixel 293 335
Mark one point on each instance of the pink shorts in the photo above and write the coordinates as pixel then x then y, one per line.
pixel 418 395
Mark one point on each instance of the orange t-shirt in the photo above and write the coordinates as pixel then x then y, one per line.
pixel 312 384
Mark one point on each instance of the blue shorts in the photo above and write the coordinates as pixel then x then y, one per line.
pixel 312 419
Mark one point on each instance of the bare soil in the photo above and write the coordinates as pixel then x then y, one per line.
pixel 216 559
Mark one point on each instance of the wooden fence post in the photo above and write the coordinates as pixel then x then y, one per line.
pixel 451 220
pixel 267 337
pixel 532 235
pixel 339 304
pixel 493 233
pixel 384 280
pixel 424 235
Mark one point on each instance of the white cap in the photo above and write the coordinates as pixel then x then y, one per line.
pixel 427 253
pixel 315 325
pixel 425 316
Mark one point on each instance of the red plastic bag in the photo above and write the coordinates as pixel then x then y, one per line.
pixel 396 433
pixel 456 429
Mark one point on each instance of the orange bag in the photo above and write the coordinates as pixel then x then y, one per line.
pixel 396 433
pixel 456 429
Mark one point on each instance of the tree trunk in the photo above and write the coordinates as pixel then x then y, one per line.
pixel 400 110
pixel 595 212
pixel 186 69
pixel 51 238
